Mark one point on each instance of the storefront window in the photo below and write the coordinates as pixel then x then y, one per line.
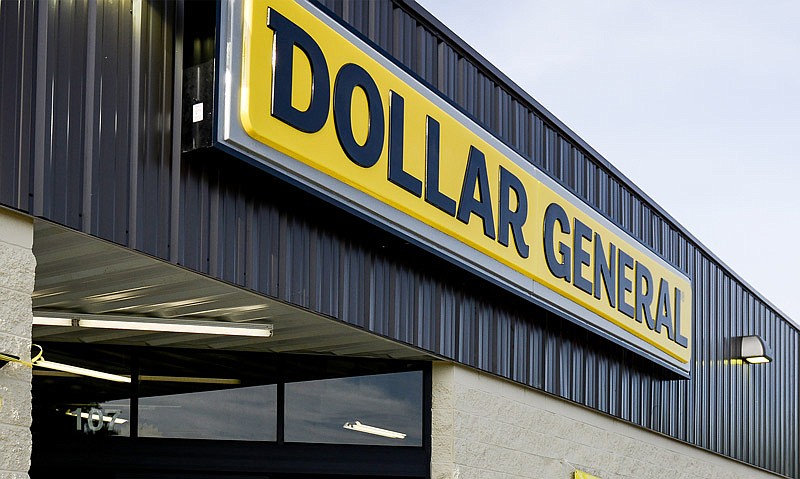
pixel 206 395
pixel 383 409
pixel 245 413
pixel 226 395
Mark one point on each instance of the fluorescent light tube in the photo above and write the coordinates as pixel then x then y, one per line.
pixel 50 321
pixel 260 330
pixel 81 371
pixel 194 380
pixel 180 326
pixel 357 426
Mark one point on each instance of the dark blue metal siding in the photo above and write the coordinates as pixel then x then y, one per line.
pixel 108 168
pixel 91 96
pixel 17 74
pixel 87 125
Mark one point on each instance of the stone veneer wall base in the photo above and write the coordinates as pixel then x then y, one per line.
pixel 487 427
pixel 17 270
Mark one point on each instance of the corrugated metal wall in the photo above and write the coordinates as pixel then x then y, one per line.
pixel 88 141
pixel 90 138
pixel 17 100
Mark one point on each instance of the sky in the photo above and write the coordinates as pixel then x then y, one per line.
pixel 698 103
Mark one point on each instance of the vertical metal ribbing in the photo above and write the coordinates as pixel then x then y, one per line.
pixel 39 112
pixel 177 120
pixel 89 118
pixel 133 170
pixel 220 217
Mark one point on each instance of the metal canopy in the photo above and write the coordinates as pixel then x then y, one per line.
pixel 82 275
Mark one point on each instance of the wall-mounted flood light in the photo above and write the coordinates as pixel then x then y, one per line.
pixel 752 349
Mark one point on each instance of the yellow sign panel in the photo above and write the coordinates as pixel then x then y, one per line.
pixel 308 92
pixel 584 475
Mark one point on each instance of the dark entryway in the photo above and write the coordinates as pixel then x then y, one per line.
pixel 195 414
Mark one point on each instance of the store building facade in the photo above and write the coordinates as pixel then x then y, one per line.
pixel 422 272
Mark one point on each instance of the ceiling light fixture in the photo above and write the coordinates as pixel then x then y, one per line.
pixel 192 380
pixel 68 368
pixel 377 431
pixel 40 361
pixel 261 330
pixel 51 321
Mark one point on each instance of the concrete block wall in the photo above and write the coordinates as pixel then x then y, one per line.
pixel 485 427
pixel 17 269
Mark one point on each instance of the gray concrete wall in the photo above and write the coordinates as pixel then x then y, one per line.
pixel 17 268
pixel 486 427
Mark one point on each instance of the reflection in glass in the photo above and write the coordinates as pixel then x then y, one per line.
pixel 246 413
pixel 383 409
pixel 112 418
pixel 222 395
pixel 69 405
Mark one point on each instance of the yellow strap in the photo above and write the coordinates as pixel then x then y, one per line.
pixel 30 363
